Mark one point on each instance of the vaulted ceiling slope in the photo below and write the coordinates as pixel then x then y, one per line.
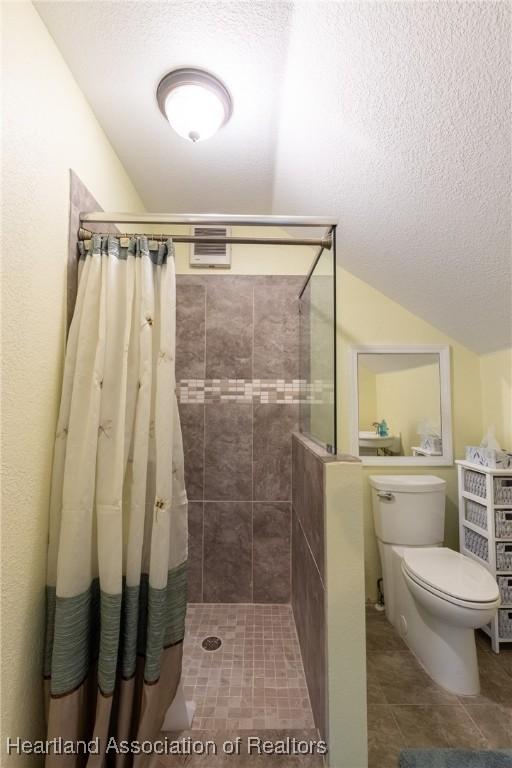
pixel 392 116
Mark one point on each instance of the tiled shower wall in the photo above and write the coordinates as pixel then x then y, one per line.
pixel 237 369
pixel 308 569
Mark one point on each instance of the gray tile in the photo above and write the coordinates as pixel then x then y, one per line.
pixel 195 551
pixel 227 571
pixel 276 327
pixel 503 659
pixel 384 748
pixel 380 634
pixel 426 714
pixel 273 427
pixel 495 682
pixel 191 278
pixel 438 726
pixel 192 427
pixel 305 351
pixel 190 330
pixel 374 692
pixel 380 718
pixel 494 722
pixel 308 603
pixel 384 739
pixel 403 681
pixel 80 196
pixel 72 264
pixel 229 327
pixel 228 451
pixel 308 498
pixel 271 552
pixel 506 659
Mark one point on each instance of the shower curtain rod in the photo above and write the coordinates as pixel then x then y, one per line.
pixel 323 242
pixel 213 219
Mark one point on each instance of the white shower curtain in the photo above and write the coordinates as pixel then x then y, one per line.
pixel 116 594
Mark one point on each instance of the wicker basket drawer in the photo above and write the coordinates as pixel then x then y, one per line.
pixel 502 490
pixel 476 544
pixel 475 513
pixel 504 556
pixel 505 588
pixel 503 523
pixel 475 483
pixel 505 623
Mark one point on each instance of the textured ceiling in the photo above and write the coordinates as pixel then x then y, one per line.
pixel 392 116
pixel 119 51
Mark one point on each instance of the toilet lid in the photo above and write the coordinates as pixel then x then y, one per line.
pixel 451 573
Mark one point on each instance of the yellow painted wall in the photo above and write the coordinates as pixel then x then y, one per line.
pixel 366 316
pixel 406 398
pixel 48 129
pixel 346 657
pixel 496 376
pixel 250 259
pixel 368 411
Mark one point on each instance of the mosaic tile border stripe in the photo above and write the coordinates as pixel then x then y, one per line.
pixel 257 391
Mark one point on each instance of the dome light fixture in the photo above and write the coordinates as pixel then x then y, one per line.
pixel 195 102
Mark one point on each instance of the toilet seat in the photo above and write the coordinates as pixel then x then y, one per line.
pixel 451 576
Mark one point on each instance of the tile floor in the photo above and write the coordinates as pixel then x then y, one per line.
pixel 255 680
pixel 243 759
pixel 407 709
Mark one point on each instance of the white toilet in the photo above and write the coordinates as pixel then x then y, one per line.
pixel 434 597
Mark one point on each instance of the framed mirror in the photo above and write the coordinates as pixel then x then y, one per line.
pixel 402 405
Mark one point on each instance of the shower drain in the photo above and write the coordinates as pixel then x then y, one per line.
pixel 211 643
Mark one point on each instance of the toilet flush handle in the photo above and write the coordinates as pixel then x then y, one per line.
pixel 386 495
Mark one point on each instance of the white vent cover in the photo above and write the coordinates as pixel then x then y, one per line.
pixel 214 255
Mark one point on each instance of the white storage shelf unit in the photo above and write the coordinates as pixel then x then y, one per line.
pixel 485 530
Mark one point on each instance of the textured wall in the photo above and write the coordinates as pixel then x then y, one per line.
pixel 496 376
pixel 237 368
pixel 51 129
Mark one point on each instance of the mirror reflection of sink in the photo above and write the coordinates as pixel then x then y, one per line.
pixel 373 440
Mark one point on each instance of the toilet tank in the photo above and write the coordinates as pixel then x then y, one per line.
pixel 408 509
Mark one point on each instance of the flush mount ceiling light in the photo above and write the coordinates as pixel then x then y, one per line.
pixel 195 102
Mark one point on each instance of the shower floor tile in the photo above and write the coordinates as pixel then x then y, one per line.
pixel 255 679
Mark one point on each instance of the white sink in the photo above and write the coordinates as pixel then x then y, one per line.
pixel 373 440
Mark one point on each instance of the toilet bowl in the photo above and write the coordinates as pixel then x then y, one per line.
pixel 451 586
pixel 434 596
pixel 452 596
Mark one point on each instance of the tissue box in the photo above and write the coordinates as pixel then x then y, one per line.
pixel 488 457
pixel 432 443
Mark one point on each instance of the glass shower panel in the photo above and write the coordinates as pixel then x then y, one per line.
pixel 317 325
